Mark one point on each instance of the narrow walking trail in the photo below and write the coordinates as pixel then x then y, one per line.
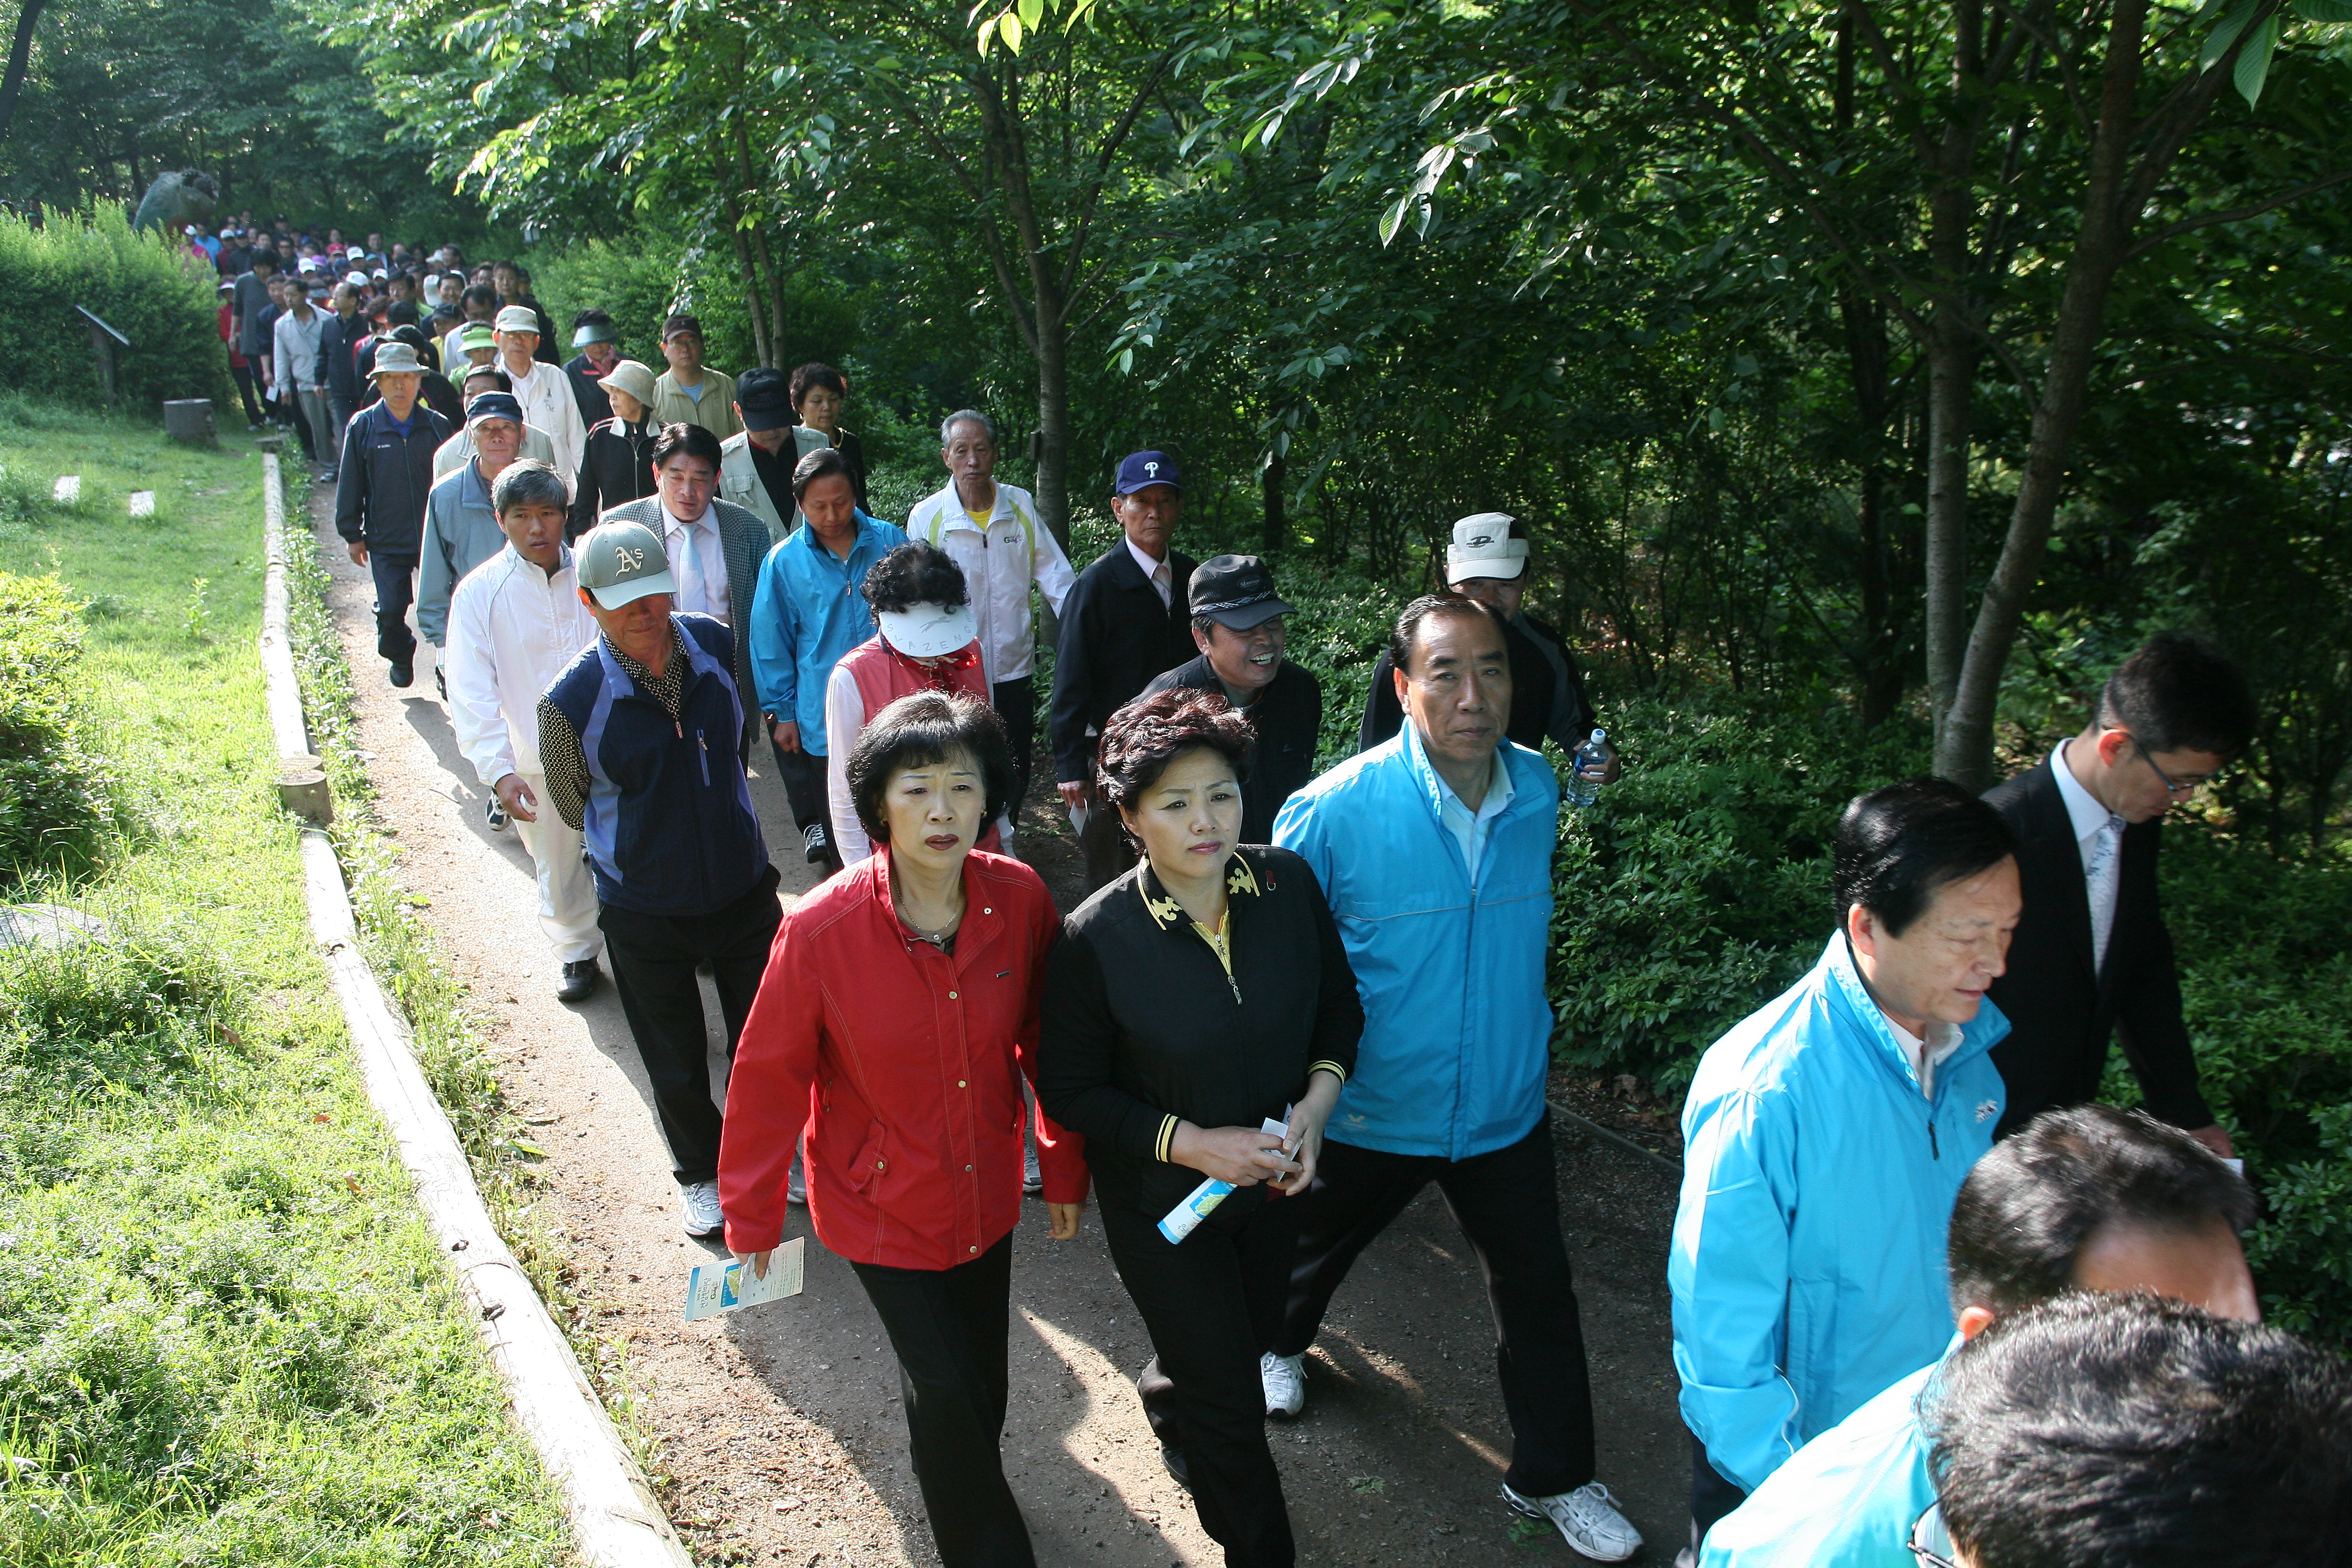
pixel 780 1425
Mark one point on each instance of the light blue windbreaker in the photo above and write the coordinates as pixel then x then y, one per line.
pixel 1456 1029
pixel 1807 1265
pixel 806 612
pixel 1848 1499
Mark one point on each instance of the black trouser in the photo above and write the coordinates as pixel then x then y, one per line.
pixel 1712 1496
pixel 1109 855
pixel 301 421
pixel 1213 1304
pixel 1015 702
pixel 803 773
pixel 395 590
pixel 947 1327
pixel 653 958
pixel 244 374
pixel 1508 1204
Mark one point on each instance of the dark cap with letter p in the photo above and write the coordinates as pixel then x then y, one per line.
pixel 1142 470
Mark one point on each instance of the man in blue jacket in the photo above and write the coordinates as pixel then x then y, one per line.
pixel 1826 1136
pixel 383 476
pixel 1434 849
pixel 2088 1199
pixel 806 613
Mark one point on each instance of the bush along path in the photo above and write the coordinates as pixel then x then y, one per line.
pixel 225 1334
pixel 774 1436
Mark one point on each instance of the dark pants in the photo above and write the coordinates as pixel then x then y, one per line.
pixel 292 402
pixel 244 374
pixel 1109 855
pixel 1712 1496
pixel 947 1327
pixel 1016 703
pixel 803 773
pixel 1508 1204
pixel 395 590
pixel 653 958
pixel 1213 1304
pixel 339 416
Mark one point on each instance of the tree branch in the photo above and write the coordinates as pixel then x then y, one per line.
pixel 2232 215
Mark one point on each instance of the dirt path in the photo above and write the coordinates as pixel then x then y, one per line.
pixel 780 1425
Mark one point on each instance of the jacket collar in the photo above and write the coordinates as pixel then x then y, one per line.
pixel 2054 824
pixel 955 517
pixel 1432 789
pixel 981 921
pixel 1841 983
pixel 1241 881
pixel 869 536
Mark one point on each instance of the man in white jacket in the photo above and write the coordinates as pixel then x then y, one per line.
pixel 993 531
pixel 515 623
pixel 542 389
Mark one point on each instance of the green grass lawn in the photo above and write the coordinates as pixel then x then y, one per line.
pixel 226 1336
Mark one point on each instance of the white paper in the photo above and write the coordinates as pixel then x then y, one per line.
pixel 716 1288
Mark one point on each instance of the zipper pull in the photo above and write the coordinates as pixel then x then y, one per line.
pixel 1237 989
pixel 1933 1150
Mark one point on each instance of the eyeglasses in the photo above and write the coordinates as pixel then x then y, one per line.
pixel 2184 786
pixel 1931 1542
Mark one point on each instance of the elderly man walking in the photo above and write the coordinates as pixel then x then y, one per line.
pixel 689 392
pixel 296 351
pixel 638 737
pixel 756 463
pixel 385 475
pixel 515 624
pixel 461 526
pixel 993 533
pixel 542 389
pixel 1434 849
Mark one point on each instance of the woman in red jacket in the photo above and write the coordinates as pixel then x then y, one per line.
pixel 896 1020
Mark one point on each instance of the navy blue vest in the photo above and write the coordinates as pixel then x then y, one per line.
pixel 669 824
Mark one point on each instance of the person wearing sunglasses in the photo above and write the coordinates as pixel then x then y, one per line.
pixel 2092 1199
pixel 2092 957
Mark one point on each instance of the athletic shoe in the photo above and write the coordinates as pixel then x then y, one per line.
pixel 1032 1180
pixel 816 845
pixel 1173 1457
pixel 495 809
pixel 579 980
pixel 1588 1519
pixel 796 1183
pixel 402 676
pixel 1284 1378
pixel 703 1217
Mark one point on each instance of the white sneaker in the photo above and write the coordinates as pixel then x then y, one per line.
pixel 1032 1180
pixel 1587 1518
pixel 1284 1379
pixel 702 1213
pixel 795 1186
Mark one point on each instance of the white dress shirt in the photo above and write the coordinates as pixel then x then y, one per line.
pixel 1925 1056
pixel 512 630
pixel 999 565
pixel 2099 836
pixel 1471 829
pixel 1162 581
pixel 698 562
pixel 547 402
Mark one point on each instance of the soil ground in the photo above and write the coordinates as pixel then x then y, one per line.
pixel 779 1426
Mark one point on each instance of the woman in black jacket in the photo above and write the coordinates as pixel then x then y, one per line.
pixel 1200 994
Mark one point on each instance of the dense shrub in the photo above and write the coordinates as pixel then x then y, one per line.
pixel 139 284
pixel 56 805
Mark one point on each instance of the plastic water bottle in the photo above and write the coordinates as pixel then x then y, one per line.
pixel 1584 769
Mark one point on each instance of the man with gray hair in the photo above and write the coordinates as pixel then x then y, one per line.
pixel 461 527
pixel 991 530
pixel 515 623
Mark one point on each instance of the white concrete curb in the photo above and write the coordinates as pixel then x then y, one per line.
pixel 615 1522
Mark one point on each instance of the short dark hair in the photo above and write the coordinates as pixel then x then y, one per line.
pixel 2175 694
pixel 479 294
pixel 685 440
pixel 1408 622
pixel 262 258
pixel 401 313
pixel 590 317
pixel 921 730
pixel 2105 1431
pixel 524 481
pixel 467 372
pixel 915 573
pixel 1896 846
pixel 815 466
pixel 1144 737
pixel 2028 1205
pixel 815 374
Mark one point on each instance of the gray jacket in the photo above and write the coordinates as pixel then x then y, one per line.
pixel 461 531
pixel 743 540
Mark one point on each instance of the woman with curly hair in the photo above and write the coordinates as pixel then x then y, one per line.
pixel 928 640
pixel 1200 996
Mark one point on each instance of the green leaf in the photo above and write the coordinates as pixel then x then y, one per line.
pixel 2225 33
pixel 2254 61
pixel 2324 10
pixel 1008 28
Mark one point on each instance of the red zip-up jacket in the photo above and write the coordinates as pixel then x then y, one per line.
pixel 904 1063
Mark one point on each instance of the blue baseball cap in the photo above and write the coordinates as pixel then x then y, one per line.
pixel 493 406
pixel 1139 470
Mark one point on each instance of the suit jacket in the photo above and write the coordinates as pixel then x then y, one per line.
pixel 2059 1008
pixel 1115 636
pixel 743 541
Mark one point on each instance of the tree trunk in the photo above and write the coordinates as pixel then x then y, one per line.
pixel 1964 734
pixel 20 55
pixel 1272 483
pixel 1053 423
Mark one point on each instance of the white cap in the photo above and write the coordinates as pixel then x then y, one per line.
pixel 928 630
pixel 1483 547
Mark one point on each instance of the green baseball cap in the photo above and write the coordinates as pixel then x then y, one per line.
pixel 476 335
pixel 621 563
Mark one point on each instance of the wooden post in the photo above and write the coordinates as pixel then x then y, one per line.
pixel 103 340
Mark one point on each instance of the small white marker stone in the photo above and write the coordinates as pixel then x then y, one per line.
pixel 66 491
pixel 143 503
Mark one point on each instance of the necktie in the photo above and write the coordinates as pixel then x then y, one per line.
pixel 2099 879
pixel 1160 584
pixel 686 565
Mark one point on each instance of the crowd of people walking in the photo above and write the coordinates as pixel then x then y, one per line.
pixel 1932 1303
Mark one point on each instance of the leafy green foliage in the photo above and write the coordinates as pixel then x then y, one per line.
pixel 142 285
pixel 57 801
